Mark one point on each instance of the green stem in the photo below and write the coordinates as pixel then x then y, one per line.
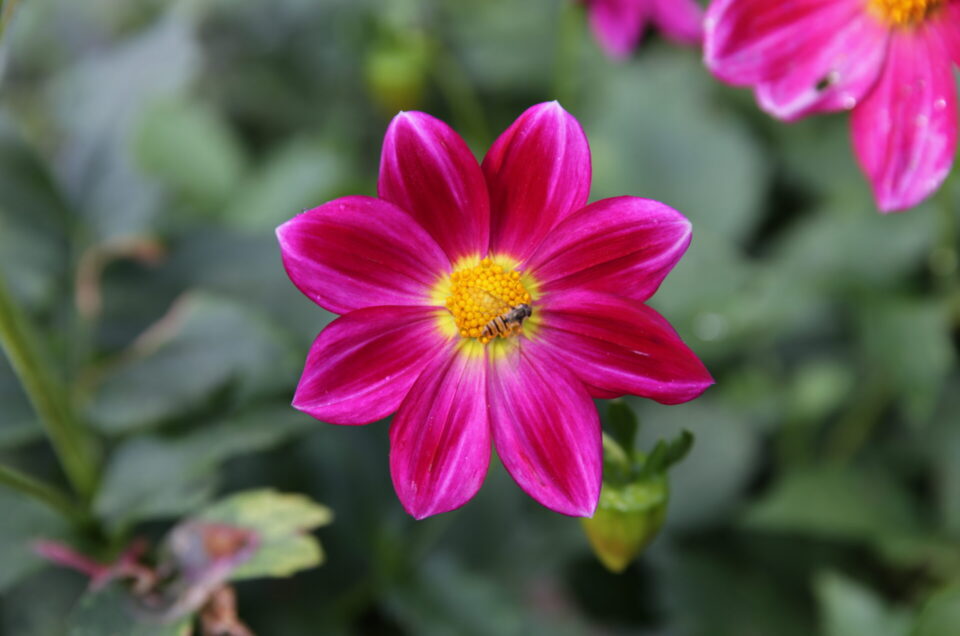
pixel 569 36
pixel 617 465
pixel 854 428
pixel 73 446
pixel 454 84
pixel 59 502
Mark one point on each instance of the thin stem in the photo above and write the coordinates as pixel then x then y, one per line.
pixel 454 84
pixel 73 446
pixel 853 430
pixel 569 36
pixel 617 465
pixel 52 497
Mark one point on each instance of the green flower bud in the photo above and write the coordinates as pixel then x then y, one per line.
pixel 627 519
pixel 395 71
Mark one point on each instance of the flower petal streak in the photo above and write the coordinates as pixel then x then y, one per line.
pixel 617 24
pixel 546 429
pixel 359 252
pixel 618 346
pixel 538 172
pixel 428 170
pixel 624 245
pixel 905 132
pixel 440 437
pixel 681 20
pixel 363 364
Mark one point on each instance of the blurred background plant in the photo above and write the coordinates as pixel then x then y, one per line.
pixel 149 148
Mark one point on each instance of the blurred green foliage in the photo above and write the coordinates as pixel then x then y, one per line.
pixel 149 148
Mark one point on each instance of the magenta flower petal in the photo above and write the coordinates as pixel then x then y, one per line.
pixel 618 24
pixel 680 20
pixel 888 61
pixel 905 132
pixel 624 245
pixel 359 252
pixel 428 170
pixel 363 364
pixel 619 346
pixel 839 67
pixel 752 41
pixel 538 172
pixel 546 429
pixel 440 437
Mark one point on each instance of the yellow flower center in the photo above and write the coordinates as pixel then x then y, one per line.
pixel 488 301
pixel 904 12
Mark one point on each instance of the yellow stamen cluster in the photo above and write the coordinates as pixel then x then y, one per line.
pixel 904 12
pixel 480 293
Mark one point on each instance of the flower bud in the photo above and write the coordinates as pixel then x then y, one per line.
pixel 396 69
pixel 627 519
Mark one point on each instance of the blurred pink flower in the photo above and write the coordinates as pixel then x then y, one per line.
pixel 889 61
pixel 619 24
pixel 447 248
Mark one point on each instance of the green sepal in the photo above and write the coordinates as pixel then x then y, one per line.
pixel 627 520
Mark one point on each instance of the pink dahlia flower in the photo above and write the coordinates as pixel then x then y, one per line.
pixel 488 304
pixel 889 61
pixel 619 24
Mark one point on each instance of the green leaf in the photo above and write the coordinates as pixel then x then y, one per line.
pixel 204 344
pixel 618 466
pixel 153 477
pixel 849 609
pixel 818 388
pixel 299 175
pixel 246 266
pixel 111 611
pixel 836 247
pixel 190 149
pixel 909 342
pixel 40 604
pixel 835 503
pixel 33 221
pixel 666 454
pixel 282 522
pixel 940 616
pixel 23 521
pixel 621 423
pixel 97 102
